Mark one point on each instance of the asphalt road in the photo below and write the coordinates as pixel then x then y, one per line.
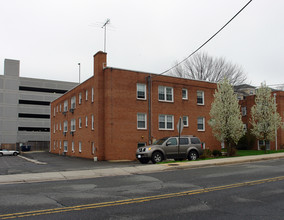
pixel 53 162
pixel 247 191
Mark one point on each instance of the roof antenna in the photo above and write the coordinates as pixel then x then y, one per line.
pixel 104 26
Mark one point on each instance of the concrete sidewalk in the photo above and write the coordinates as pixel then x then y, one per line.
pixel 123 171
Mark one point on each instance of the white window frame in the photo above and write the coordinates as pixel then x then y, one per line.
pixel 80 123
pixel 86 121
pixel 80 146
pixel 60 107
pixel 164 89
pixel 203 123
pixel 65 108
pixel 80 98
pixel 65 126
pixel 244 111
pixel 73 102
pixel 92 94
pixel 166 117
pixel 93 148
pixel 245 128
pixel 73 147
pixel 60 145
pixel 202 93
pixel 185 118
pixel 53 128
pixel 186 94
pixel 86 94
pixel 54 111
pixel 73 125
pixel 93 122
pixel 65 144
pixel 140 87
pixel 145 121
pixel 60 126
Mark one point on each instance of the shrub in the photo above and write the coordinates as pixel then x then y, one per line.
pixel 206 154
pixel 246 142
pixel 216 153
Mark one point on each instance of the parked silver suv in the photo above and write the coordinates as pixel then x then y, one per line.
pixel 189 147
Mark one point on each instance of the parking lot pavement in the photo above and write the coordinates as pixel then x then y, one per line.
pixel 52 163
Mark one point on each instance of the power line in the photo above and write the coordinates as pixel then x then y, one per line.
pixel 207 40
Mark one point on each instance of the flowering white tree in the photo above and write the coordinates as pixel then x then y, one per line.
pixel 226 118
pixel 264 116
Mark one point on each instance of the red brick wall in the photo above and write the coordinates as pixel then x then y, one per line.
pixel 249 101
pixel 115 109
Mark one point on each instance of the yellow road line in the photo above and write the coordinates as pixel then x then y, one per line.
pixel 136 200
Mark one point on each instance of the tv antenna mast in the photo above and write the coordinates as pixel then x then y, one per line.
pixel 105 26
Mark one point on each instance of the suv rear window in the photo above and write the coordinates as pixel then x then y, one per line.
pixel 183 141
pixel 195 140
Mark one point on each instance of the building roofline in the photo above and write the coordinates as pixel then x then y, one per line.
pixel 158 74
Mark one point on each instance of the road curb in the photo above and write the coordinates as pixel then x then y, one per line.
pixel 126 171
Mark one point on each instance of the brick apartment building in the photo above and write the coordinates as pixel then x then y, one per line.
pixel 109 115
pixel 246 105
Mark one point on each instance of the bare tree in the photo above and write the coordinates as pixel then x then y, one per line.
pixel 201 66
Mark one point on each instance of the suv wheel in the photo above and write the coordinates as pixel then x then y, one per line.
pixel 192 155
pixel 157 157
pixel 144 160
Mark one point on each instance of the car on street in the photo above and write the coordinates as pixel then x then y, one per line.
pixel 4 152
pixel 186 147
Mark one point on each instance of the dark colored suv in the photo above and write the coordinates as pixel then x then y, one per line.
pixel 188 147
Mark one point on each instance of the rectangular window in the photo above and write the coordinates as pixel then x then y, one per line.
pixel 93 148
pixel 184 141
pixel 86 95
pixel 60 126
pixel 141 121
pixel 200 124
pixel 93 124
pixel 60 145
pixel 245 128
pixel 80 146
pixel 166 94
pixel 80 123
pixel 73 124
pixel 53 128
pixel 65 128
pixel 57 108
pixel 141 91
pixel 86 121
pixel 65 109
pixel 54 111
pixel 92 94
pixel 244 111
pixel 73 148
pixel 185 121
pixel 60 107
pixel 80 98
pixel 65 143
pixel 200 98
pixel 184 94
pixel 166 122
pixel 73 102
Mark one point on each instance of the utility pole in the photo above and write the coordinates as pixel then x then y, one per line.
pixel 79 64
pixel 104 26
pixel 275 126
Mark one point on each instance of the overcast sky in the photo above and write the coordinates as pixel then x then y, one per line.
pixel 51 37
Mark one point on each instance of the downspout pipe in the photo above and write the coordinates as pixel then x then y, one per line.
pixel 149 82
